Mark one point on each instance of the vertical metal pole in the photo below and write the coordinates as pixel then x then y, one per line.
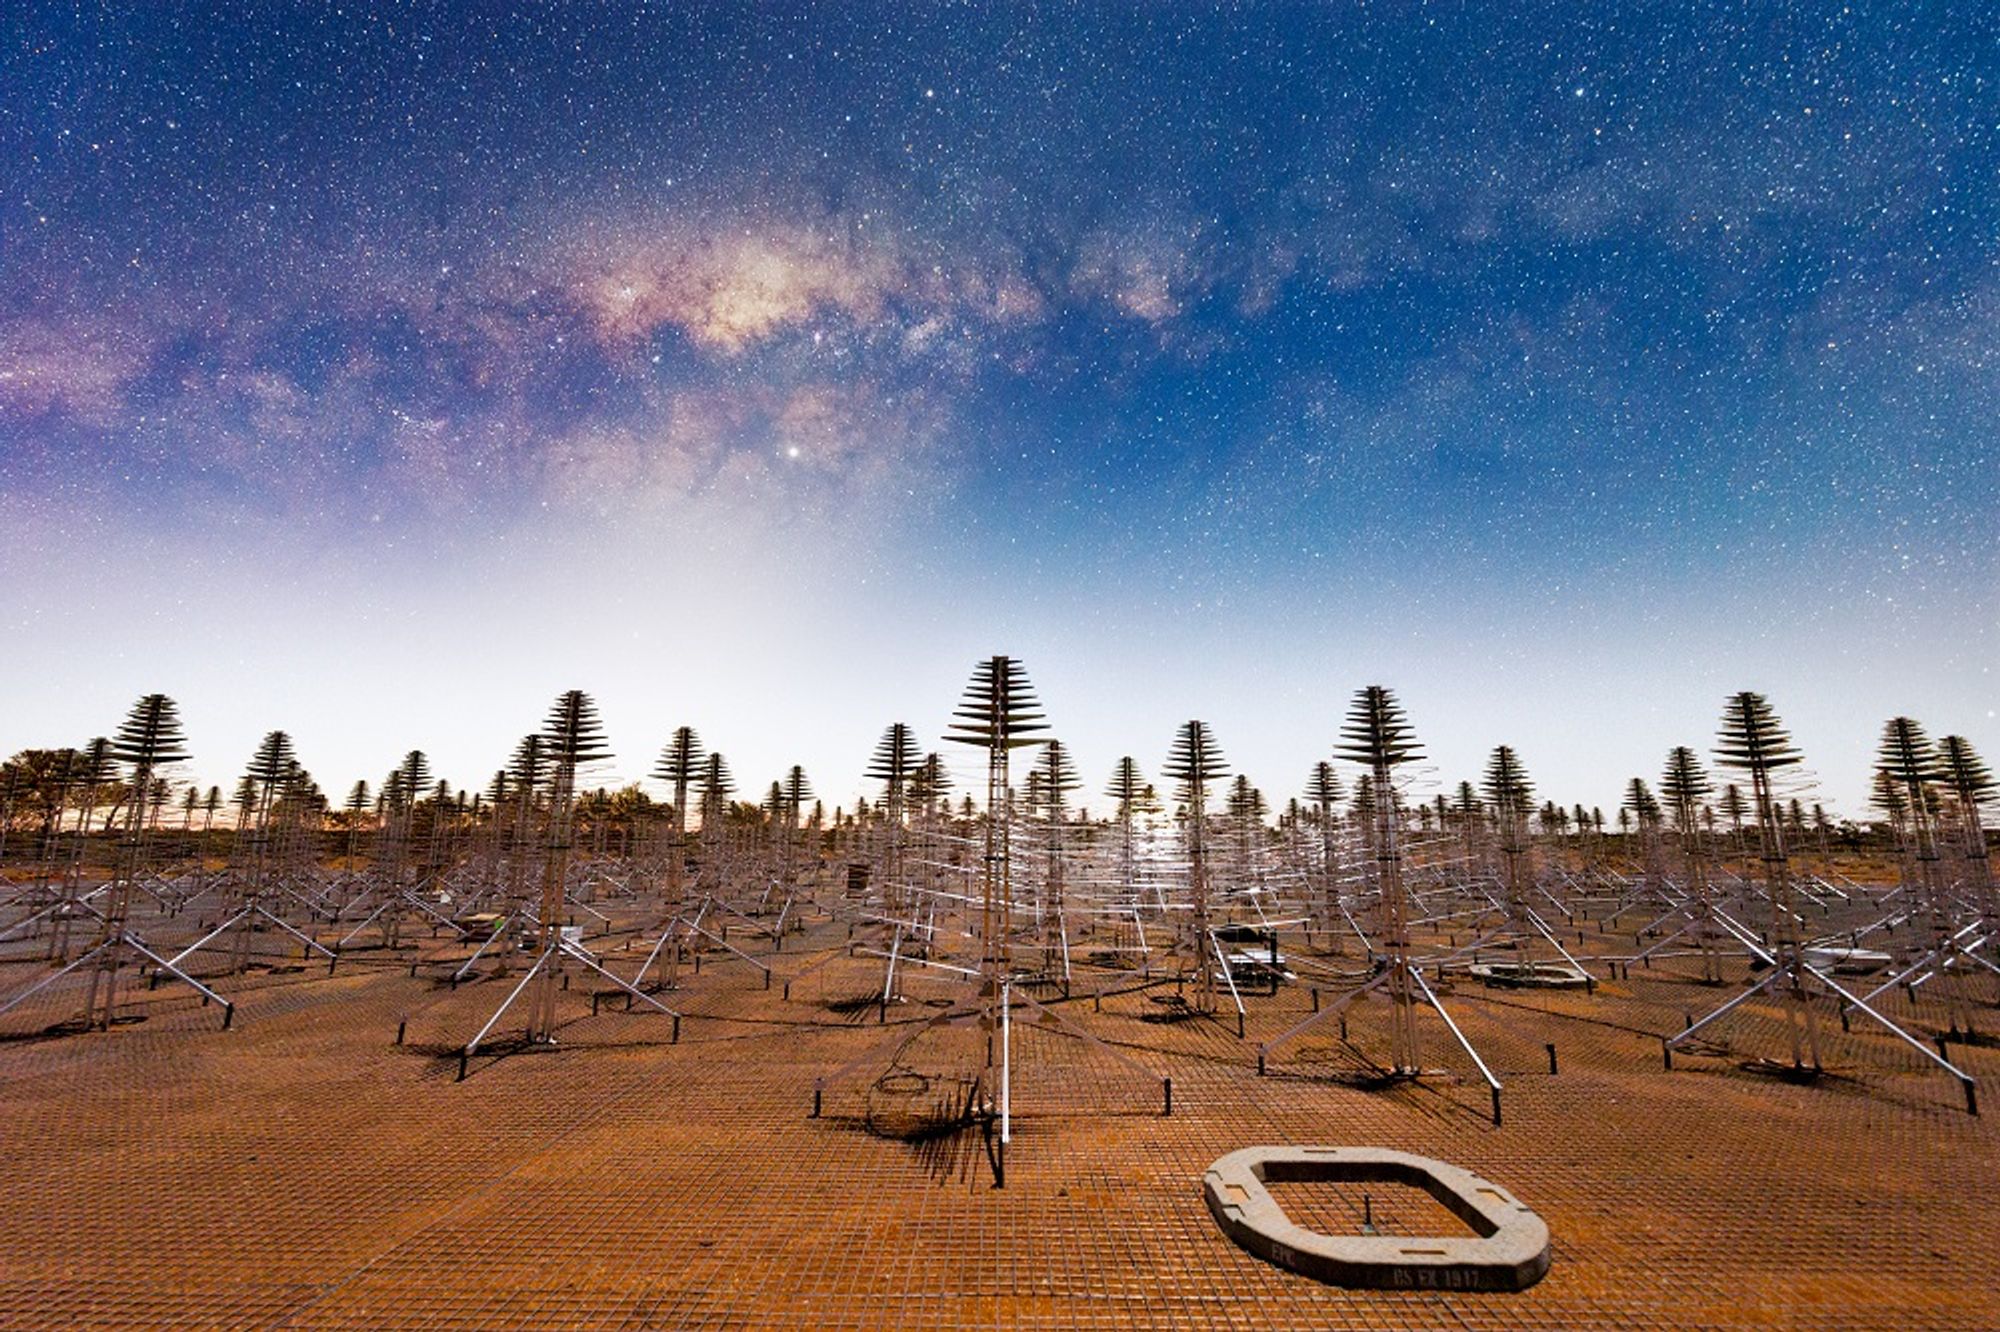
pixel 1006 1062
pixel 1388 858
pixel 1197 847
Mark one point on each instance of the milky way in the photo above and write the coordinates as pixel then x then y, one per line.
pixel 1571 367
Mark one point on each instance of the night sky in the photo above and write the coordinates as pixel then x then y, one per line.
pixel 376 372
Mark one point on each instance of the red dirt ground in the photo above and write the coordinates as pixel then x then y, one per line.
pixel 303 1170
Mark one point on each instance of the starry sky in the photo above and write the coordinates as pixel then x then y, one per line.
pixel 377 371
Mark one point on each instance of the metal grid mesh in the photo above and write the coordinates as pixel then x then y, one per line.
pixel 303 1170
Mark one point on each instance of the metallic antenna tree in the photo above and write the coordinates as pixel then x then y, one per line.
pixel 795 792
pixel 149 740
pixel 1521 927
pixel 717 786
pixel 1754 742
pixel 930 793
pixel 97 770
pixel 1323 790
pixel 680 768
pixel 274 770
pixel 574 737
pixel 1127 789
pixel 1509 793
pixel 1971 784
pixel 402 795
pixel 1685 785
pixel 1907 761
pixel 1196 761
pixel 1378 736
pixel 1247 809
pixel 571 737
pixel 999 714
pixel 895 762
pixel 1058 780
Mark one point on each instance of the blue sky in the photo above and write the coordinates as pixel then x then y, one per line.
pixel 377 374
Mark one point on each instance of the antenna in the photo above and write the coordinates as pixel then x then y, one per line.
pixel 1196 761
pixel 998 713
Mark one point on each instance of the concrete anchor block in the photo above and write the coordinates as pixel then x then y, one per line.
pixel 1509 1250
